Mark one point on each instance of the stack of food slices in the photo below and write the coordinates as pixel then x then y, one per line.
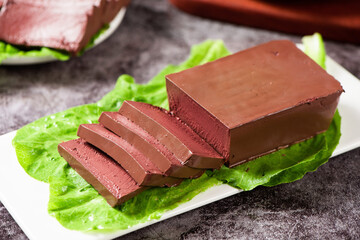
pixel 144 145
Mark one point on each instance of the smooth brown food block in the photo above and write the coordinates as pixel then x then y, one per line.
pixel 31 24
pixel 147 145
pixel 139 166
pixel 190 149
pixel 67 25
pixel 99 170
pixel 253 102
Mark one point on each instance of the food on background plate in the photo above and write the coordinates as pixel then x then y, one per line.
pixel 236 108
pixel 65 26
pixel 78 206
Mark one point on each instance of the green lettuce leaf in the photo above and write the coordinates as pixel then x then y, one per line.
pixel 78 206
pixel 8 50
pixel 314 47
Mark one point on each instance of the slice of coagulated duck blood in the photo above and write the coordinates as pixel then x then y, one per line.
pixel 256 101
pixel 190 149
pixel 147 145
pixel 101 171
pixel 139 166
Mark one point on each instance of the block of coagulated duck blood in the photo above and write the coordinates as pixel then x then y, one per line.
pixel 139 166
pixel 147 145
pixel 255 101
pixel 66 25
pixel 190 149
pixel 101 171
pixel 31 24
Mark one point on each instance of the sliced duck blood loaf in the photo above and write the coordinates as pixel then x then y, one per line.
pixel 256 101
pixel 139 166
pixel 147 145
pixel 99 170
pixel 190 149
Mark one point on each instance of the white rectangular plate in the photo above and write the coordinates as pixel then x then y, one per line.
pixel 26 198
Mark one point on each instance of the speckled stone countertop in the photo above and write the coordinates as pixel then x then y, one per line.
pixel 323 205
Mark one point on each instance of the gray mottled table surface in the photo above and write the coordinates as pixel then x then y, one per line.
pixel 324 204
